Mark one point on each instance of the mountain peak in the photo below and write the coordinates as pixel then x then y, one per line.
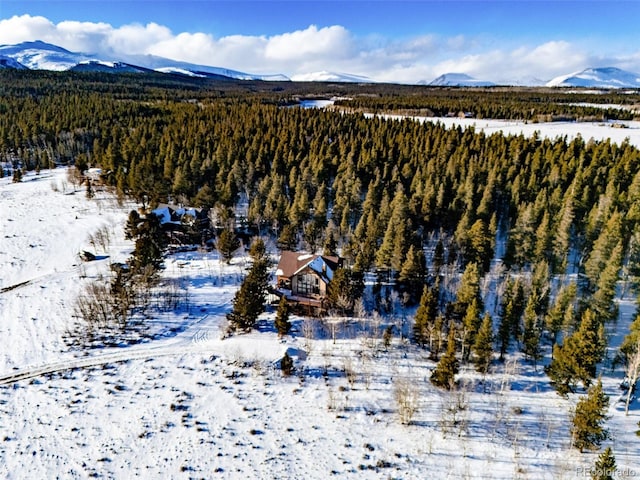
pixel 35 45
pixel 457 80
pixel 601 77
pixel 325 76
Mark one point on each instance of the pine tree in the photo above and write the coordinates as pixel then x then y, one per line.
pixel 575 361
pixel 414 272
pixel 248 302
pixel 345 288
pixel 470 326
pixel 443 375
pixel 131 227
pixel 282 323
pixel 511 311
pixel 227 244
pixel 397 236
pixel 562 239
pixel 587 431
pixel 288 238
pixel 479 248
pixel 425 317
pixel 605 466
pixel 286 365
pixel 483 347
pixel 89 191
pixel 531 336
pixel 602 301
pixel 149 245
pixel 468 291
pixel 555 318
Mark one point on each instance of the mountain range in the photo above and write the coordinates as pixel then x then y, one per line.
pixel 40 55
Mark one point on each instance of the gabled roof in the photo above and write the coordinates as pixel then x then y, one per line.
pixel 292 263
pixel 174 213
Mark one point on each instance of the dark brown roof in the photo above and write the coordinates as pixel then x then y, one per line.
pixel 290 262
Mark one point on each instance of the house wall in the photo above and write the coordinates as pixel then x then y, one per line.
pixel 296 283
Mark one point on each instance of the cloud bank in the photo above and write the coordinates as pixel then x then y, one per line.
pixel 313 49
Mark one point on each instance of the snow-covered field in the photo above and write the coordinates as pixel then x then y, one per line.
pixel 189 404
pixel 617 131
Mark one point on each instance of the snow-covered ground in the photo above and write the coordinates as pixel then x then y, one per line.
pixel 617 131
pixel 189 404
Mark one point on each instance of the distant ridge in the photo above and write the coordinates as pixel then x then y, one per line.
pixel 40 55
pixel 458 80
pixel 325 76
pixel 606 77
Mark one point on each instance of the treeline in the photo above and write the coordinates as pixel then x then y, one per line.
pixel 530 104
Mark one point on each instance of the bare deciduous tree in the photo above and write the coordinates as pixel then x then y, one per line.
pixel 407 399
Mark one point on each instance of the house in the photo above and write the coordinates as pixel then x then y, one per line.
pixel 303 278
pixel 182 224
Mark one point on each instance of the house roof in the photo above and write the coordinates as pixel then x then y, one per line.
pixel 173 213
pixel 293 262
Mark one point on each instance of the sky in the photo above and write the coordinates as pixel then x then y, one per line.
pixel 405 41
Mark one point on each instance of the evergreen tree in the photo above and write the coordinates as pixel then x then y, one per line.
pixel 258 251
pixel 282 323
pixel 576 360
pixel 330 247
pixel 286 365
pixel 89 191
pixel 511 311
pixel 397 237
pixel 288 238
pixel 555 318
pixel 587 430
pixel 413 273
pixel 468 291
pixel 630 342
pixel 131 227
pixel 470 326
pixel 149 245
pixel 531 335
pixel 443 375
pixel 483 347
pixel 602 301
pixel 227 244
pixel 248 302
pixel 17 175
pixel 479 245
pixel 564 230
pixel 425 317
pixel 345 288
pixel 605 466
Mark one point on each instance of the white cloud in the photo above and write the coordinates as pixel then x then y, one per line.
pixel 313 49
pixel 135 38
pixel 327 42
pixel 26 28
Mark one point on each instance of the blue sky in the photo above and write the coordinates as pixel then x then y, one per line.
pixel 400 40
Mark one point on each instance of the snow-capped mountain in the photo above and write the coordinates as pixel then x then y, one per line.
pixel 324 76
pixel 7 62
pixel 608 77
pixel 458 80
pixel 40 55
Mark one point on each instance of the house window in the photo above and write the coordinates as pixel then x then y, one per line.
pixel 308 284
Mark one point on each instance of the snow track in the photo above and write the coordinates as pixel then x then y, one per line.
pixel 198 345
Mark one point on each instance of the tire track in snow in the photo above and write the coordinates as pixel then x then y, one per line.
pixel 198 344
